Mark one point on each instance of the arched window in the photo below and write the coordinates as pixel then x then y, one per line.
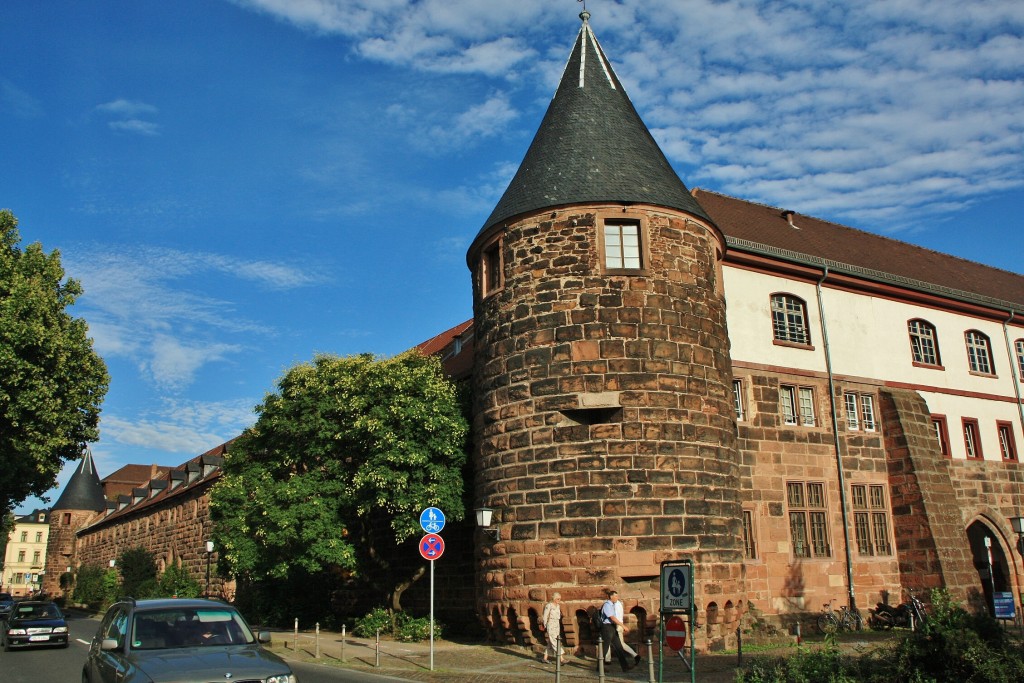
pixel 979 353
pixel 1019 346
pixel 924 343
pixel 789 319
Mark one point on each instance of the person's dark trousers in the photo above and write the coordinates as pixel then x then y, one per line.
pixel 611 637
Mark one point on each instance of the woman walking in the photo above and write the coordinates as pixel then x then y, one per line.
pixel 551 624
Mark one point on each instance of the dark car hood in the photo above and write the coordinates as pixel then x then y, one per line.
pixel 209 663
pixel 35 623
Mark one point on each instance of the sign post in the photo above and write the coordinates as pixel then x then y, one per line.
pixel 431 548
pixel 676 601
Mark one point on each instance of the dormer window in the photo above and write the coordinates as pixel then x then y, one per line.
pixel 622 245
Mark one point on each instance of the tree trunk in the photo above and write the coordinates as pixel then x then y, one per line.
pixel 396 592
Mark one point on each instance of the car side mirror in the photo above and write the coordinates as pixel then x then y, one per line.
pixel 264 636
pixel 109 644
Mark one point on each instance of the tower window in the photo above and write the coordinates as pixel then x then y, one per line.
pixel 491 276
pixel 622 246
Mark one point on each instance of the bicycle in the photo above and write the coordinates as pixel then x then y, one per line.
pixel 830 621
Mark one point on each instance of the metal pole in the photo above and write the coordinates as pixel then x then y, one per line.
pixel 316 648
pixel 431 615
pixel 377 661
pixel 650 661
pixel 343 643
pixel 558 658
pixel 206 594
pixel 739 646
pixel 295 646
pixel 600 657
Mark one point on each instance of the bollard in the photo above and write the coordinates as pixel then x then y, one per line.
pixel 600 658
pixel 799 640
pixel 739 646
pixel 558 659
pixel 343 643
pixel 377 661
pixel 316 647
pixel 295 646
pixel 650 662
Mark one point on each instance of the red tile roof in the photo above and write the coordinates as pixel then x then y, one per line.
pixel 767 226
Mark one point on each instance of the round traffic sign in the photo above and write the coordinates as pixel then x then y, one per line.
pixel 431 547
pixel 675 633
pixel 432 520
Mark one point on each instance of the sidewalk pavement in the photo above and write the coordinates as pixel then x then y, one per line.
pixel 467 662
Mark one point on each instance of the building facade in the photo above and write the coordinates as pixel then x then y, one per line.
pixel 24 560
pixel 806 411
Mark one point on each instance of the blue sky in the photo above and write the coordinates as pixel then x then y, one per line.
pixel 242 184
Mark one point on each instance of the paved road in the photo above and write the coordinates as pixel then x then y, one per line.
pixel 64 665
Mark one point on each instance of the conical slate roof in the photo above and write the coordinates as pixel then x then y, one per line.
pixel 592 146
pixel 84 491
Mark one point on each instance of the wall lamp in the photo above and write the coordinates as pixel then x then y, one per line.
pixel 1018 525
pixel 483 520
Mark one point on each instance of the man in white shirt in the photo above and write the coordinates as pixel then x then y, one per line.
pixel 620 632
pixel 611 622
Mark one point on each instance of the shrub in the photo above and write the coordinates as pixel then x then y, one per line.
pixel 88 585
pixel 138 572
pixel 400 625
pixel 176 581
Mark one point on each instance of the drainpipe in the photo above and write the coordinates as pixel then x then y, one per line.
pixel 838 442
pixel 1014 367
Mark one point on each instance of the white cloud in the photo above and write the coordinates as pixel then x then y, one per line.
pixel 18 102
pixel 190 427
pixel 749 97
pixel 135 126
pixel 148 305
pixel 126 108
pixel 126 116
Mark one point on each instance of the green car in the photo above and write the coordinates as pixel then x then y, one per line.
pixel 166 641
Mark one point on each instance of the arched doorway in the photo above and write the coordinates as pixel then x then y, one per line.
pixel 989 561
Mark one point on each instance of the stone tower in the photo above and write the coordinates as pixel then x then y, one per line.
pixel 79 503
pixel 603 419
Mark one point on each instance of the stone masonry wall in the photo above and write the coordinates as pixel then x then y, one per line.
pixel 605 431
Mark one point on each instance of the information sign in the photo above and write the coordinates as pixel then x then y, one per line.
pixel 432 520
pixel 1004 607
pixel 675 588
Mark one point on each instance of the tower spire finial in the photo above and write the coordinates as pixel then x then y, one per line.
pixel 584 15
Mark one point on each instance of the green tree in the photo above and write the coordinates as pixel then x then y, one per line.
pixel 138 572
pixel 51 380
pixel 333 475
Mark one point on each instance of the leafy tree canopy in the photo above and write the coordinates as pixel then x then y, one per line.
pixel 51 380
pixel 334 474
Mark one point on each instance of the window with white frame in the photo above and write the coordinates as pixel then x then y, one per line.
pixel 737 399
pixel 871 519
pixel 797 405
pixel 1019 346
pixel 979 353
pixel 35 557
pixel 808 519
pixel 923 342
pixel 789 319
pixel 972 440
pixel 1007 446
pixel 622 245
pixel 860 411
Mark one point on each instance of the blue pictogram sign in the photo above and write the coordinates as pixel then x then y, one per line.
pixel 431 547
pixel 432 520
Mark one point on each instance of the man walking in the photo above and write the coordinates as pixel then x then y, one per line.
pixel 609 632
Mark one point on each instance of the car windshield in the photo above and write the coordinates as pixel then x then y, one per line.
pixel 24 611
pixel 187 627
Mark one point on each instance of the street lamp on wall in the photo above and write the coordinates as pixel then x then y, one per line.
pixel 209 553
pixel 483 520
pixel 1018 526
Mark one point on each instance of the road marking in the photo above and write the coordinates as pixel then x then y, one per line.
pixel 83 642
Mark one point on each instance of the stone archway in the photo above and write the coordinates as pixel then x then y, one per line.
pixel 999 578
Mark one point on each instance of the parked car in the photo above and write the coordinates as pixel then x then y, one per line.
pixel 34 622
pixel 6 603
pixel 155 641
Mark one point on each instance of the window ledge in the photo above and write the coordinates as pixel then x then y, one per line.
pixel 633 272
pixel 990 375
pixel 928 366
pixel 793 345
